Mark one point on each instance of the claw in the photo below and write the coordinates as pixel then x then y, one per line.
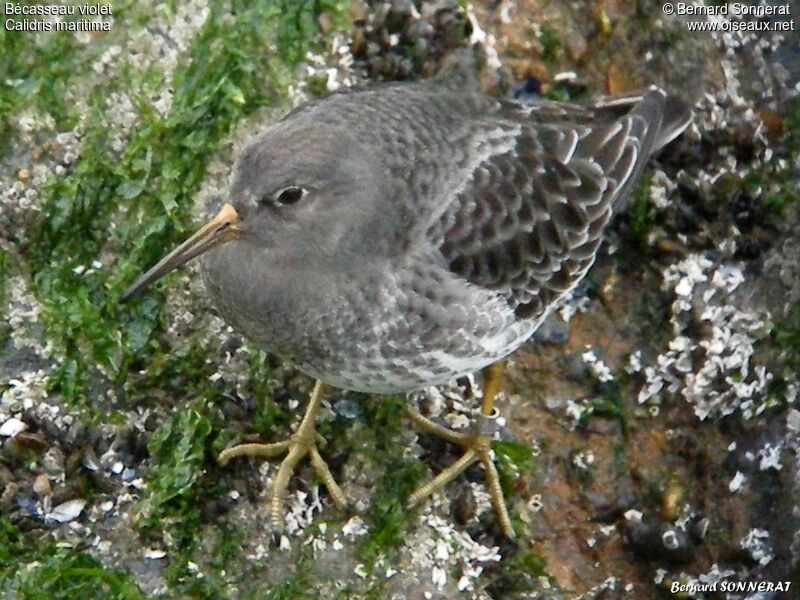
pixel 302 443
pixel 275 537
pixel 477 447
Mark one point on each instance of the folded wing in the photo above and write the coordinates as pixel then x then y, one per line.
pixel 529 216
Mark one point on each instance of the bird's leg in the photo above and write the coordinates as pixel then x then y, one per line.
pixel 303 442
pixel 477 446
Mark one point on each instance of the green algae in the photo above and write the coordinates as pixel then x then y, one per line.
pixel 122 208
pixel 134 205
pixel 388 517
pixel 31 568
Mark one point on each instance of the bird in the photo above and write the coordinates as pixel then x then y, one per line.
pixel 399 236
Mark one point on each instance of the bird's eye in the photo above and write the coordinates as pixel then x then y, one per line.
pixel 289 195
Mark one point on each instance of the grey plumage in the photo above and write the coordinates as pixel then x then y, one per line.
pixel 433 229
pixel 390 239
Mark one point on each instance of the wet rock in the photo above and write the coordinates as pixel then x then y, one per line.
pixel 41 485
pixel 575 368
pixel 231 345
pixel 556 404
pixel 658 541
pixel 89 459
pixel 607 427
pixel 53 462
pixel 76 434
pixel 9 495
pixel 553 331
pixel 698 528
pixel 99 481
pixel 530 90
pixel 576 45
pixel 212 509
pixel 347 408
pixel 131 444
pixel 28 442
pixel 152 422
pixel 28 505
pixel 463 507
pixel 609 508
pixel 6 476
pixel 73 462
pixel 398 15
pixel 397 40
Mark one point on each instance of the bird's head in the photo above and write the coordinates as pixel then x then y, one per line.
pixel 305 192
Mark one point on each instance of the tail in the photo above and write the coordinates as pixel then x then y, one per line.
pixel 652 104
pixel 639 125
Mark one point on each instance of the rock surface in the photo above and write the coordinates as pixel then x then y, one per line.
pixel 651 428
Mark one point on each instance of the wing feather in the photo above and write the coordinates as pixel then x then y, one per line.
pixel 543 183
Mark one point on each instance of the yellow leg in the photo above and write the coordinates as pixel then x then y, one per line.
pixel 477 447
pixel 303 442
pixel 493 377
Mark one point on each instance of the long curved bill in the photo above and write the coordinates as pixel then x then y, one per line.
pixel 222 228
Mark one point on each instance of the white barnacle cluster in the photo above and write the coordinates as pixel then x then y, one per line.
pixel 599 368
pixel 437 556
pixel 727 105
pixel 661 186
pixel 441 550
pixel 715 575
pixel 335 67
pixel 737 482
pixel 26 391
pixel 573 304
pixel 300 510
pixel 711 367
pixel 756 543
pixel 120 116
pixel 784 263
pixel 168 35
pixel 448 402
pixel 487 40
pixel 576 409
pixel 733 40
pixel 609 586
pixel 584 460
pixel 602 534
pixel 23 318
pixel 770 457
pixel 634 363
pixel 301 526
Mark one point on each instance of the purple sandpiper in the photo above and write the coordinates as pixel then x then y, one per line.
pixel 398 237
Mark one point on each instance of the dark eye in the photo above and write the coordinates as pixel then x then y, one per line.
pixel 289 195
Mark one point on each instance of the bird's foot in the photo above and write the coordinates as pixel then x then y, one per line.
pixel 304 442
pixel 477 446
